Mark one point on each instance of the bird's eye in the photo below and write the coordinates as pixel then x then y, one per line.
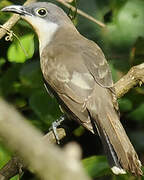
pixel 42 12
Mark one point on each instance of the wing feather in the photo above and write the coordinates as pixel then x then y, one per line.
pixel 97 65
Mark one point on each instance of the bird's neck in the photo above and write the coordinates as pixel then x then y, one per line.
pixel 46 34
pixel 55 34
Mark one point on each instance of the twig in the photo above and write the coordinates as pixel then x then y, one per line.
pixel 44 159
pixel 82 13
pixel 12 21
pixel 132 78
pixel 16 165
pixel 9 37
pixel 50 137
pixel 12 168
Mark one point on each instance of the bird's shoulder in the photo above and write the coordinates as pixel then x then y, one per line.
pixel 83 52
pixel 74 67
pixel 65 71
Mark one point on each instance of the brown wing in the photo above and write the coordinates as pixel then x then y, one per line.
pixel 97 65
pixel 70 79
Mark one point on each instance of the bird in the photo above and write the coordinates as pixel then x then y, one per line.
pixel 77 73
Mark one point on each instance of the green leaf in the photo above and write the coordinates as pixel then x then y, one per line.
pixel 137 114
pixel 45 107
pixel 9 78
pixel 79 131
pixel 2 61
pixel 4 16
pixel 30 75
pixel 96 166
pixel 4 156
pixel 16 52
pixel 137 137
pixel 125 105
pixel 126 25
pixel 15 177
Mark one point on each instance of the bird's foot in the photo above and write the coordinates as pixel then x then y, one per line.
pixel 56 124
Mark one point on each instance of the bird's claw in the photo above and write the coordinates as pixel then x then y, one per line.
pixel 54 126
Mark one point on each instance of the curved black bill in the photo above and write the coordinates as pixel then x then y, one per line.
pixel 16 9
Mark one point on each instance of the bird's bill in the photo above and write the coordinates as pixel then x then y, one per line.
pixel 16 9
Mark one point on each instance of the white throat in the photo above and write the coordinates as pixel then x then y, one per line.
pixel 46 34
pixel 45 30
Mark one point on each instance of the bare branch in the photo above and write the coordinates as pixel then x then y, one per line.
pixel 50 137
pixel 16 165
pixel 45 159
pixel 82 13
pixel 132 78
pixel 12 168
pixel 12 21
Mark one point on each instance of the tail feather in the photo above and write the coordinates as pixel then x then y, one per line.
pixel 120 152
pixel 126 153
pixel 109 150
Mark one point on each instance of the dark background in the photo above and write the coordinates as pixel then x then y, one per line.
pixel 122 41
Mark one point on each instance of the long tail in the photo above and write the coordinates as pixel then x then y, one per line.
pixel 120 152
pixel 109 150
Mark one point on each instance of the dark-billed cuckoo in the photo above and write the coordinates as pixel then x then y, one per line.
pixel 77 74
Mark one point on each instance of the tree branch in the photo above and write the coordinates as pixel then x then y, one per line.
pixel 45 159
pixel 12 168
pixel 134 77
pixel 16 165
pixel 80 12
pixel 12 21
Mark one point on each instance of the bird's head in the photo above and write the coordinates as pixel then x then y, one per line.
pixel 44 17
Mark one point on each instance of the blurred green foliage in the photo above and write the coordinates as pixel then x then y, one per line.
pixel 122 41
pixel 21 50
